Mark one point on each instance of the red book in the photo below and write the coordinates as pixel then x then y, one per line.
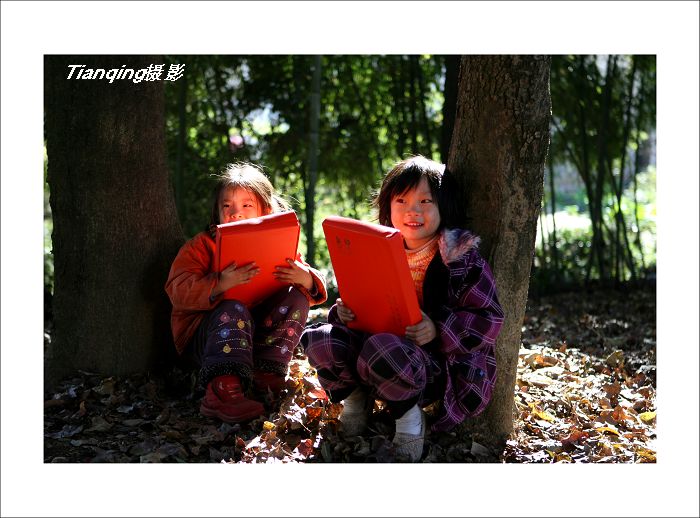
pixel 268 241
pixel 374 280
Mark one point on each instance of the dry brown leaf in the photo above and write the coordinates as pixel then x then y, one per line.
pixel 612 389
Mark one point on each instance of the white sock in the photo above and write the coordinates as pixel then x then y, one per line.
pixel 410 422
pixel 355 402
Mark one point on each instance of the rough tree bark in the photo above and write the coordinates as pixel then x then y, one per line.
pixel 449 106
pixel 498 151
pixel 116 229
pixel 314 121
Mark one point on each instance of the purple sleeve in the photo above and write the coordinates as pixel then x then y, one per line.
pixel 476 316
pixel 468 332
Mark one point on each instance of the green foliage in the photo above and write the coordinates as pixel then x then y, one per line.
pixel 375 110
pixel 604 111
pixel 574 237
pixel 378 109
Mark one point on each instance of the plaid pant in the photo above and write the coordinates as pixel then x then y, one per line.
pixel 394 369
pixel 234 339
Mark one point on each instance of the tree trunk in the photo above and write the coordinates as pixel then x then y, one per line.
pixel 181 144
pixel 412 105
pixel 449 105
pixel 314 115
pixel 497 154
pixel 115 229
pixel 422 96
pixel 602 160
pixel 553 240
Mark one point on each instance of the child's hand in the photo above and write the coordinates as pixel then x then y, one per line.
pixel 295 273
pixel 232 276
pixel 422 332
pixel 345 314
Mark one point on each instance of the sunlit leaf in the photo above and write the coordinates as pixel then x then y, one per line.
pixel 541 414
pixel 646 455
pixel 607 429
pixel 647 417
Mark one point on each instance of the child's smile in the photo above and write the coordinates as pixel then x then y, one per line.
pixel 415 214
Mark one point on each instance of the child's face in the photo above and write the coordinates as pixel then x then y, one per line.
pixel 238 204
pixel 415 214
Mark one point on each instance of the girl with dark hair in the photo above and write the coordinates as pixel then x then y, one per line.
pixel 448 357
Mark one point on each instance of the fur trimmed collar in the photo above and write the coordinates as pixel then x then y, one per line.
pixel 455 242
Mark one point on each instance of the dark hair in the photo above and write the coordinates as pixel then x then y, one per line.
pixel 251 178
pixel 406 175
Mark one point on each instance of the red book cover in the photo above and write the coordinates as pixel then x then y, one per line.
pixel 268 241
pixel 373 276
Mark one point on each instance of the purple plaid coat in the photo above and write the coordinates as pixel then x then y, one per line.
pixel 459 295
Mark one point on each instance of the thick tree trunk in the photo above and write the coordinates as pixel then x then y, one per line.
pixel 314 116
pixel 450 104
pixel 115 228
pixel 497 154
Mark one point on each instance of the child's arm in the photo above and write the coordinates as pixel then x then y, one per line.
pixel 190 280
pixel 192 285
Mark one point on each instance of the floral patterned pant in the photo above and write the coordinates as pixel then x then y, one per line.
pixel 235 339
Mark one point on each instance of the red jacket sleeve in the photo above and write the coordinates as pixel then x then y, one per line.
pixel 191 278
pixel 318 294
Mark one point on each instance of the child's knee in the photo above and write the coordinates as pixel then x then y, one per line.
pixel 379 343
pixel 297 300
pixel 233 307
pixel 314 341
pixel 392 365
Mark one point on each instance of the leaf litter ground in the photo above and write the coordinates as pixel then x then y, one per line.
pixel 585 393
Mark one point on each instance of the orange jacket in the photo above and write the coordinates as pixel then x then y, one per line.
pixel 191 280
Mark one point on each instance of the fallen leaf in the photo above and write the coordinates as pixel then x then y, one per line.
pixel 132 422
pixel 313 413
pixel 67 431
pixel 612 389
pixel 646 454
pixel 616 359
pixel 106 388
pixel 99 424
pixel 648 417
pixel 541 414
pixel 619 414
pixel 575 435
pixel 608 429
pixel 536 379
pixel 305 448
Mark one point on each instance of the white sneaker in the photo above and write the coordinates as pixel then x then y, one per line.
pixel 411 445
pixel 356 410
